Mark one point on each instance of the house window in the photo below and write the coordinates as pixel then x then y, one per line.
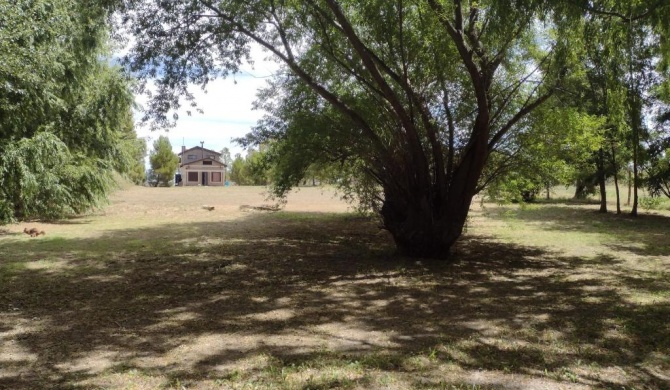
pixel 192 156
pixel 206 163
pixel 193 176
pixel 216 177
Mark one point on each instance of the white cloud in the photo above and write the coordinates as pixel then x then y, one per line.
pixel 227 114
pixel 227 107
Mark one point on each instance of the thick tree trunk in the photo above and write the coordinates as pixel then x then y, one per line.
pixel 603 195
pixel 423 228
pixel 417 233
pixel 426 225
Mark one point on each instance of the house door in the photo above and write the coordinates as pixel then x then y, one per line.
pixel 204 178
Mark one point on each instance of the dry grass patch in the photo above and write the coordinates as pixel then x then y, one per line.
pixel 155 292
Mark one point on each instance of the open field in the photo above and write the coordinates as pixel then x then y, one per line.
pixel 154 292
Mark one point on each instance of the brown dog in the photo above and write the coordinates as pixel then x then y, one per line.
pixel 33 232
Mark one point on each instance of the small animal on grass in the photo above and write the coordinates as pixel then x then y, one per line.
pixel 208 208
pixel 33 232
pixel 30 231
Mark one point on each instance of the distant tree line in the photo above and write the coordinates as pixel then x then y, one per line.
pixel 258 167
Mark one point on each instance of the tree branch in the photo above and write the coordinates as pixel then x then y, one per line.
pixel 515 87
pixel 624 18
pixel 303 75
pixel 519 115
pixel 390 95
pixel 456 34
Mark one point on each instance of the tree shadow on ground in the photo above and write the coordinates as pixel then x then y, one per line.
pixel 198 301
pixel 6 232
pixel 566 201
pixel 645 235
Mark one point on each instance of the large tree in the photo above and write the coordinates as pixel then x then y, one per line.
pixel 418 93
pixel 65 112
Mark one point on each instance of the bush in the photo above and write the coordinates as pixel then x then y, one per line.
pixel 650 203
pixel 514 189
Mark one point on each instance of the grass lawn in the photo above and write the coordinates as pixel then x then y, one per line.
pixel 155 292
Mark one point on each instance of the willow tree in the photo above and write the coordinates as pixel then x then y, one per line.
pixel 65 112
pixel 423 90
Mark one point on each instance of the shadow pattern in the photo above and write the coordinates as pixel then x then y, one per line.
pixel 193 301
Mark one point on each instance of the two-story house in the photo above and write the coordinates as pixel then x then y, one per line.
pixel 200 166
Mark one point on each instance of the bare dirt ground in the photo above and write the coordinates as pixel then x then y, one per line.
pixel 157 292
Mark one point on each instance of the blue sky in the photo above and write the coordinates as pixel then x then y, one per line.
pixel 227 111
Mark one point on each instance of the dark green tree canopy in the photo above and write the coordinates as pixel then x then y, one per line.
pixel 65 113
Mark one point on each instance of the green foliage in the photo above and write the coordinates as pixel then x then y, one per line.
pixel 600 109
pixel 31 63
pixel 555 150
pixel 59 92
pixel 163 160
pixel 255 171
pixel 650 203
pixel 252 170
pixel 631 56
pixel 236 169
pixel 136 150
pixel 304 140
pixel 410 97
pixel 47 51
pixel 42 179
pixel 658 176
pixel 514 188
